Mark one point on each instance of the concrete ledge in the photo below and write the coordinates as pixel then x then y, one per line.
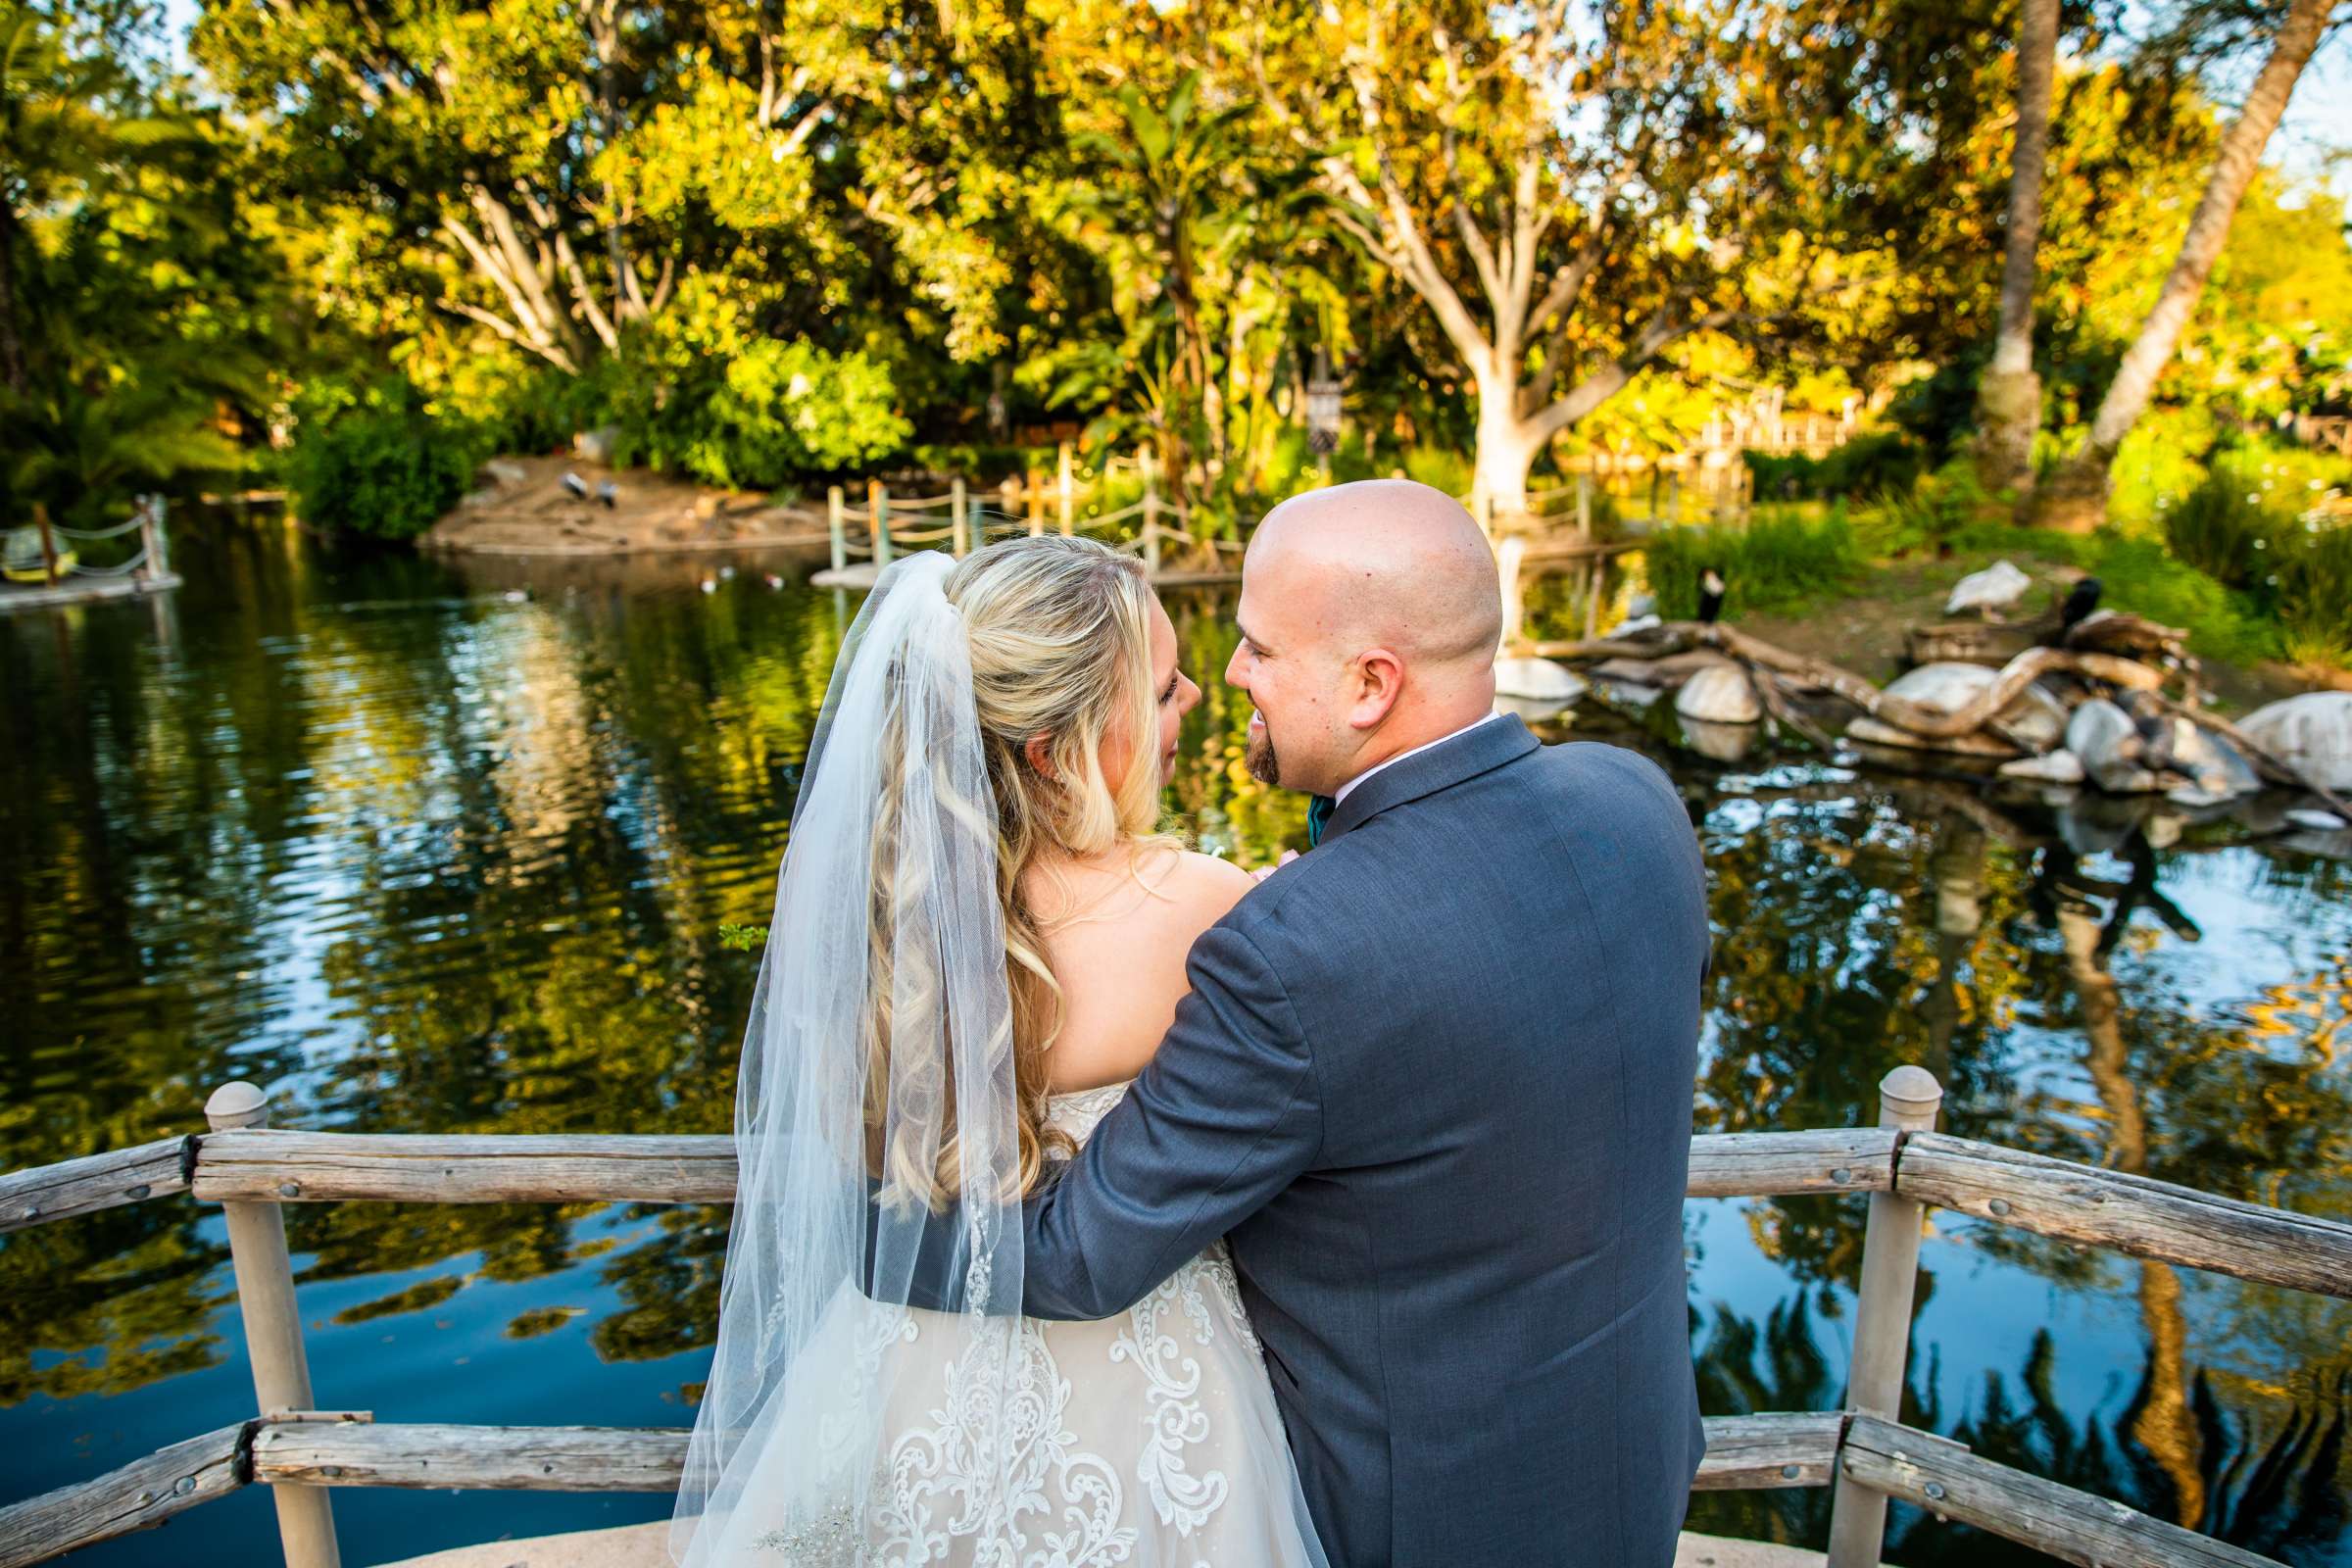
pixel 642 1546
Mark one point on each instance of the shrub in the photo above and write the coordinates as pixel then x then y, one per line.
pixel 2222 531
pixel 1935 512
pixel 2245 527
pixel 1783 476
pixel 2136 575
pixel 378 464
pixel 1441 469
pixel 1880 463
pixel 2162 460
pixel 703 392
pixel 2315 596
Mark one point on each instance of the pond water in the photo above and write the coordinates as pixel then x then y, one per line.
pixel 424 847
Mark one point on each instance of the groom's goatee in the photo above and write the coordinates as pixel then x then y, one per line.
pixel 1259 758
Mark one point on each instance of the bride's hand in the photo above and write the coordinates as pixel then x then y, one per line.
pixel 1265 871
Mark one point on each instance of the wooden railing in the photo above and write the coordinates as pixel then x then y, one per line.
pixel 1903 1166
pixel 879 531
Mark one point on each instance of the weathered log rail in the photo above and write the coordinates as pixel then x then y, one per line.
pixel 99 1181
pixel 1022 502
pixel 1901 1167
pixel 261 1165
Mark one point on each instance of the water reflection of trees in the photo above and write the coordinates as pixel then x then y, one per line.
pixel 2268 1479
pixel 1858 928
pixel 465 859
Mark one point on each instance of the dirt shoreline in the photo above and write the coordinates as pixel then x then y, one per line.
pixel 523 508
pixel 523 511
pixel 1867 632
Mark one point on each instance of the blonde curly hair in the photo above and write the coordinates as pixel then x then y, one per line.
pixel 1060 632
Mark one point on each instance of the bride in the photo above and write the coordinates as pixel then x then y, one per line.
pixel 978 941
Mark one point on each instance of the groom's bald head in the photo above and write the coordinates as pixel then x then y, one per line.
pixel 1369 616
pixel 1387 563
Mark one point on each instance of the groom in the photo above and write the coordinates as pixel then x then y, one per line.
pixel 1434 1079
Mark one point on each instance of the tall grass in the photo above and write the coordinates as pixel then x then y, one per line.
pixel 2245 527
pixel 1780 558
pixel 2137 576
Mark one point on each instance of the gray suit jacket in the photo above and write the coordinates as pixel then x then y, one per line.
pixel 1435 1080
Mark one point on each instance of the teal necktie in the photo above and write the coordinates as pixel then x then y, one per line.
pixel 1318 818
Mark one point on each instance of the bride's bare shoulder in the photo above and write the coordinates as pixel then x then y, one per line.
pixel 1201 887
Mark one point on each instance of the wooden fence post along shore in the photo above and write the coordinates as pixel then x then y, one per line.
pixel 877 508
pixel 281 1369
pixel 1908 1100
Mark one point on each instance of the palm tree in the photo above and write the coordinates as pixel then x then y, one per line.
pixel 2009 397
pixel 1191 183
pixel 2074 495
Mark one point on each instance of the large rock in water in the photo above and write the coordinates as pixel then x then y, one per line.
pixel 1718 743
pixel 1537 678
pixel 2106 741
pixel 2034 716
pixel 2216 772
pixel 2060 767
pixel 1720 694
pixel 2310 734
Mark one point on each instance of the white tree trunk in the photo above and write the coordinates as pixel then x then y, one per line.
pixel 1506 449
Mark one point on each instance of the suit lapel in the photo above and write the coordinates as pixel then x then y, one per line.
pixel 1480 749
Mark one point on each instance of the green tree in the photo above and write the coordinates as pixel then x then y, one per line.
pixel 2074 495
pixel 1209 232
pixel 1571 195
pixel 137 303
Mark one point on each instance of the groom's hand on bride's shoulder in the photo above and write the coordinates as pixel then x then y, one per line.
pixel 1265 871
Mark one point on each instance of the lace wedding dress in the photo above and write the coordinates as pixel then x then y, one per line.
pixel 1149 1440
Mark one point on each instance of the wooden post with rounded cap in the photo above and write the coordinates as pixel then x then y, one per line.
pixel 281 1370
pixel 1908 1099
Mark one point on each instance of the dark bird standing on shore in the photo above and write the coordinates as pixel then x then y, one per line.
pixel 1711 590
pixel 2078 603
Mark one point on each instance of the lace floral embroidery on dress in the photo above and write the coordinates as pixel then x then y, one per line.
pixel 1005 1395
pixel 934 1473
pixel 1080 1112
pixel 1173 1417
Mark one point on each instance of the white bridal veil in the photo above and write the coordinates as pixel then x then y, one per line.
pixel 877 1145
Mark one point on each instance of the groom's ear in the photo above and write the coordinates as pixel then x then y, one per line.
pixel 1380 681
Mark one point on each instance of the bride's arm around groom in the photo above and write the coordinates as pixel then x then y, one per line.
pixel 1434 1079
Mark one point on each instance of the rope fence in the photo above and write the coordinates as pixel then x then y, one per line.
pixel 121 568
pixel 1559 521
pixel 150 564
pixel 92 535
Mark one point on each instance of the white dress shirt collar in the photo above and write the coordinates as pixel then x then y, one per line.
pixel 1402 755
